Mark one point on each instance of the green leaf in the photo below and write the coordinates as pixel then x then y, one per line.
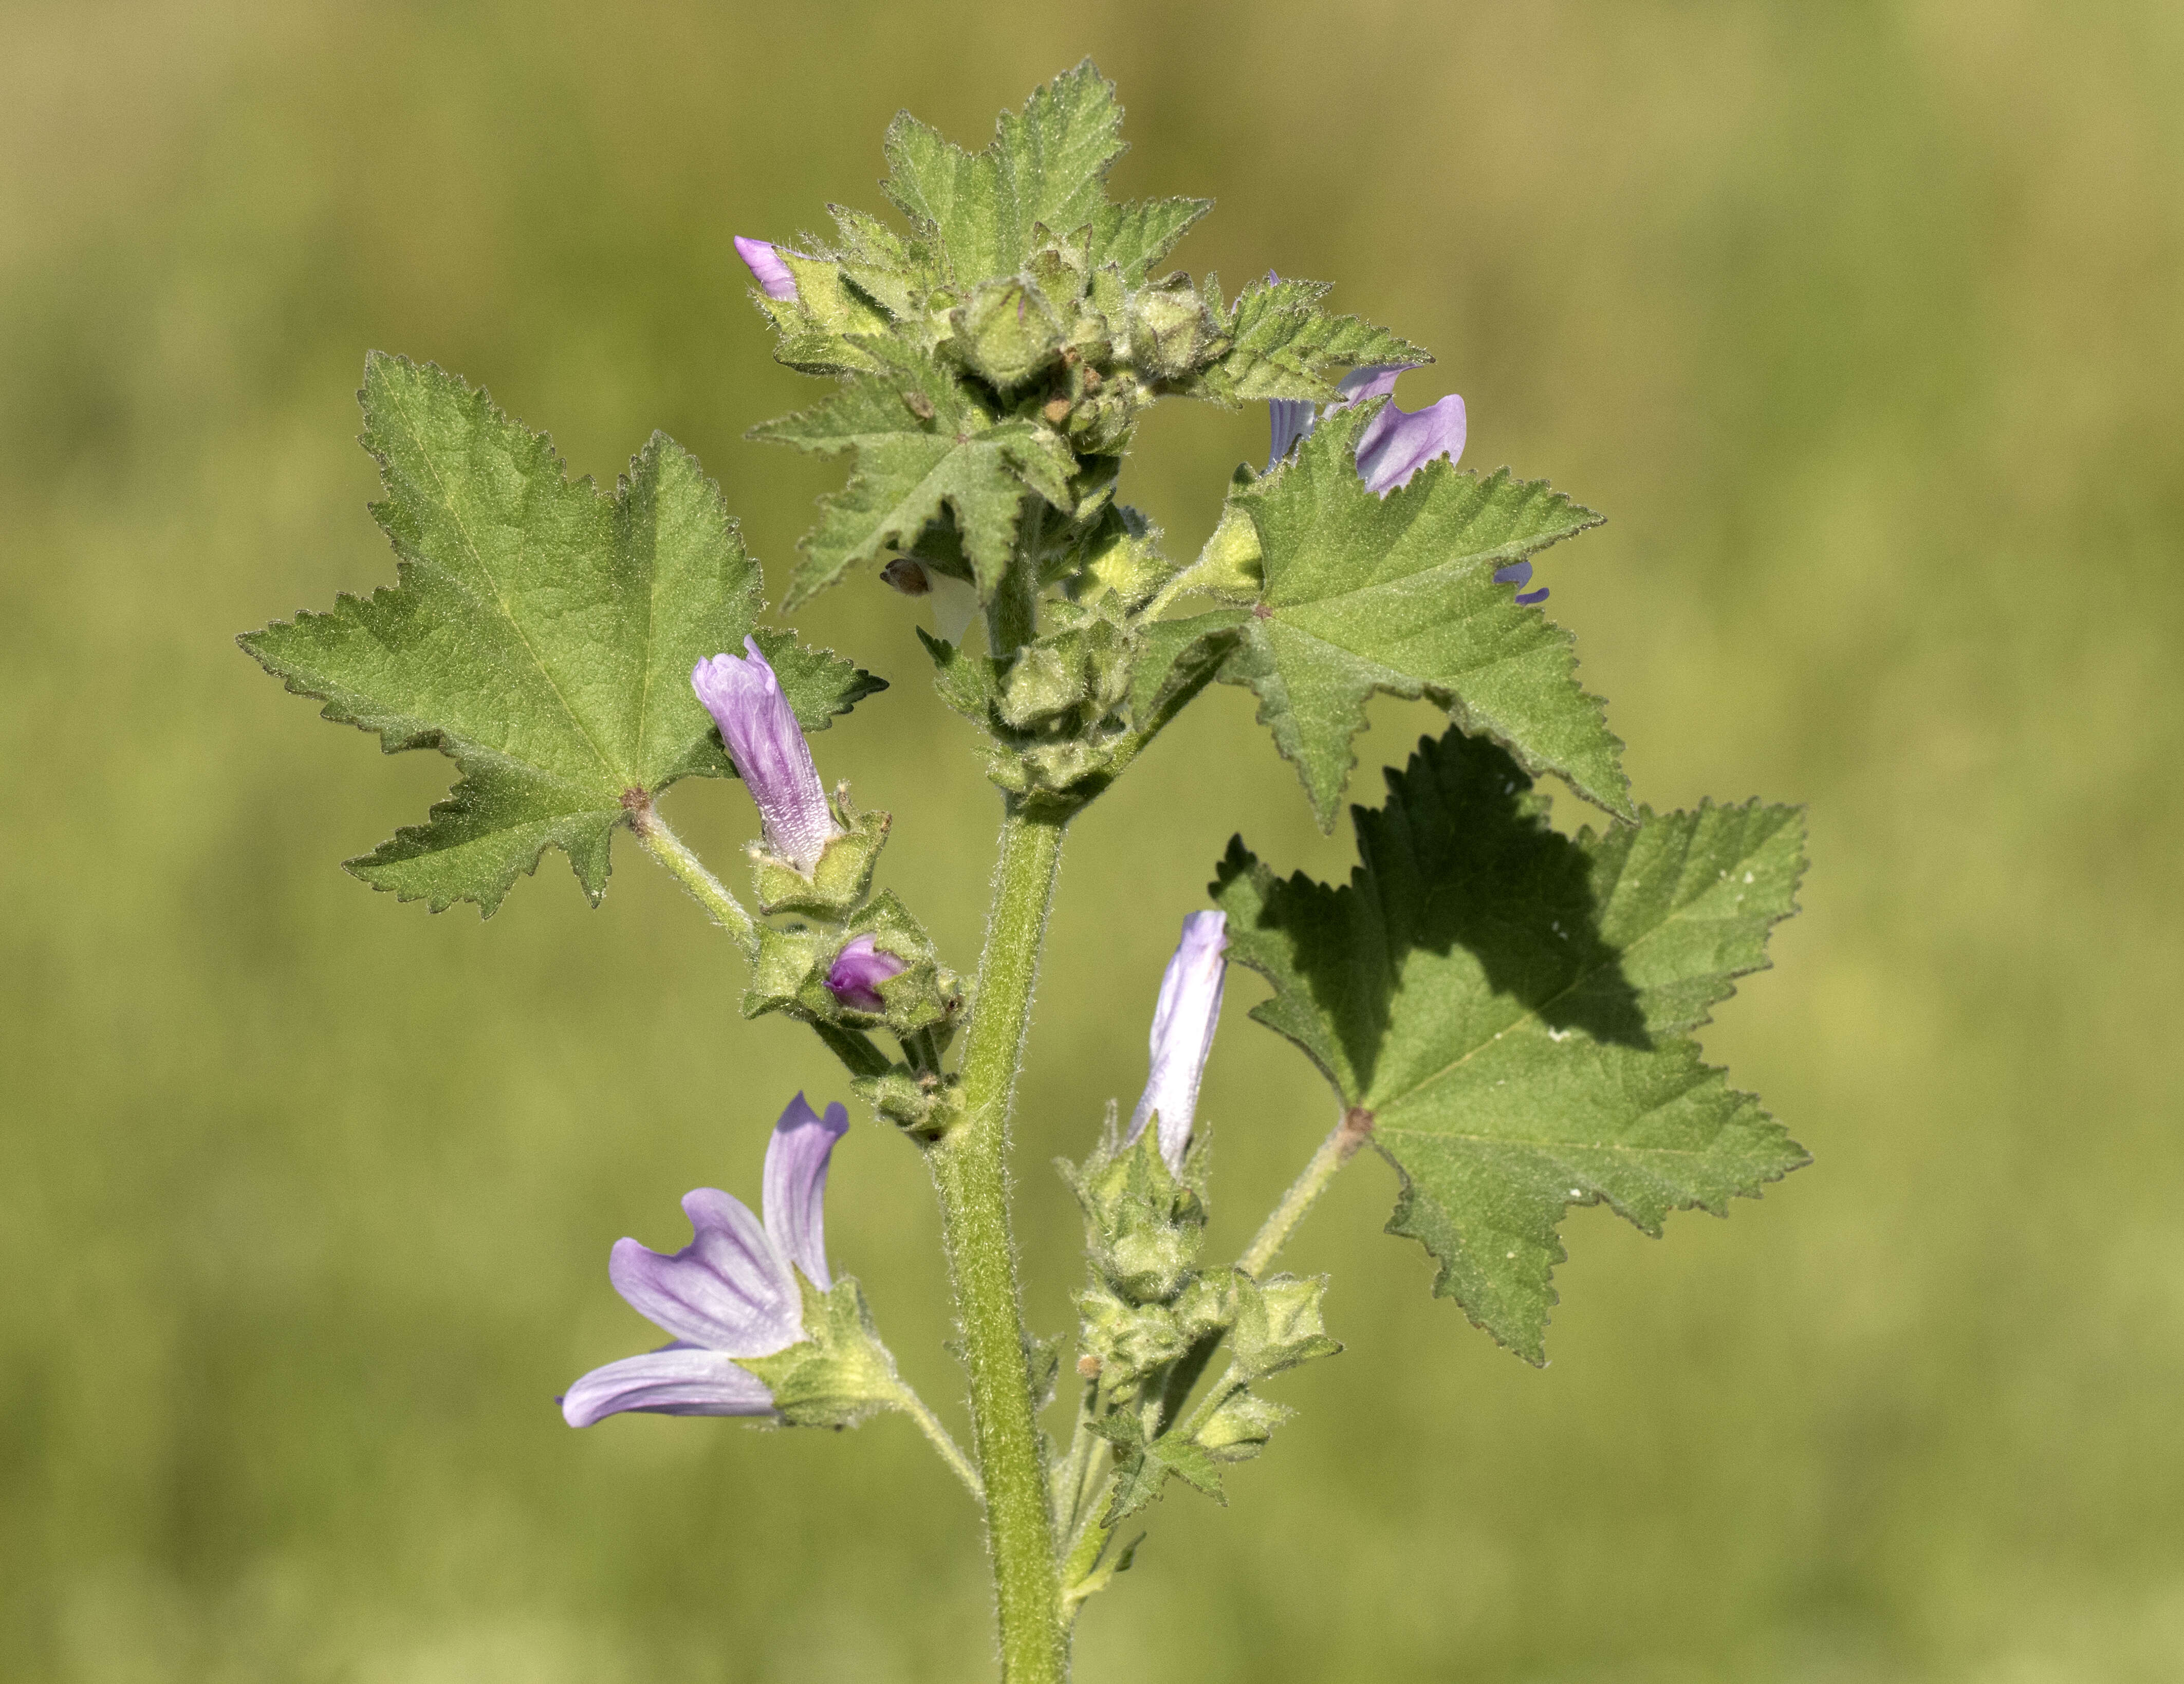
pixel 1283 345
pixel 1133 238
pixel 539 633
pixel 923 444
pixel 1512 1007
pixel 1397 594
pixel 1047 165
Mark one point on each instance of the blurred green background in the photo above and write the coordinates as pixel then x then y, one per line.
pixel 1865 325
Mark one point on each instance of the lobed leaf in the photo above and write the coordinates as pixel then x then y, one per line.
pixel 538 633
pixel 1511 1008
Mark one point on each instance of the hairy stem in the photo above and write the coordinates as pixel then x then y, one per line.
pixel 969 1172
pixel 1335 1151
pixel 706 890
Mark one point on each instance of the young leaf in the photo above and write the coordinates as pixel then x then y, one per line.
pixel 1512 1009
pixel 1365 593
pixel 539 633
pixel 1046 168
pixel 1284 346
pixel 922 442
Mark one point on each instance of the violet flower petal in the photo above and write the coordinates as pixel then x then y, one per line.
pixel 1373 380
pixel 1397 442
pixel 680 1379
pixel 858 970
pixel 1291 419
pixel 770 754
pixel 796 1185
pixel 1184 1022
pixel 1529 597
pixel 767 268
pixel 729 1289
pixel 1516 573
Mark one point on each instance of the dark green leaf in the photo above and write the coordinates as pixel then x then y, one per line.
pixel 1512 1006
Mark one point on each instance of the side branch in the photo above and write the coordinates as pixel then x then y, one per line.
pixel 706 890
pixel 1336 1149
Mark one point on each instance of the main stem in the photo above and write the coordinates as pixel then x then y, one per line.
pixel 970 1171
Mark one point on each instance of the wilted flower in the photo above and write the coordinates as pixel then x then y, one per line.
pixel 767 268
pixel 1184 1022
pixel 858 970
pixel 772 758
pixel 731 1292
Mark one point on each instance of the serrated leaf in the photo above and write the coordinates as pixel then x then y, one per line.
pixel 922 444
pixel 1047 164
pixel 1397 594
pixel 1179 655
pixel 900 484
pixel 1511 1006
pixel 1135 236
pixel 1283 345
pixel 540 633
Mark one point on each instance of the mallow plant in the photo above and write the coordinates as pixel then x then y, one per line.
pixel 1503 1010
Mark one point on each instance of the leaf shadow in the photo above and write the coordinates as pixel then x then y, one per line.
pixel 1461 856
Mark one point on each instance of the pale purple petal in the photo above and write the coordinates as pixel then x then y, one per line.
pixel 1184 1022
pixel 1292 419
pixel 682 1379
pixel 770 755
pixel 1529 597
pixel 767 268
pixel 730 1288
pixel 1374 380
pixel 858 970
pixel 1516 573
pixel 796 1185
pixel 1396 444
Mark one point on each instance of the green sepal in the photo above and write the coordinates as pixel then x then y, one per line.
pixel 1395 594
pixel 925 996
pixel 1006 332
pixel 923 1104
pixel 839 877
pixel 1278 1325
pixel 1143 1223
pixel 823 327
pixel 1120 556
pixel 839 1374
pixel 1173 333
pixel 1509 1010
pixel 782 967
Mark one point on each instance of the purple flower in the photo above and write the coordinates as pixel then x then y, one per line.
pixel 1184 1022
pixel 767 268
pixel 772 758
pixel 731 1292
pixel 858 970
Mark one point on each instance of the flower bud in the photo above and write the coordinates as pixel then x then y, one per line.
pixel 770 754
